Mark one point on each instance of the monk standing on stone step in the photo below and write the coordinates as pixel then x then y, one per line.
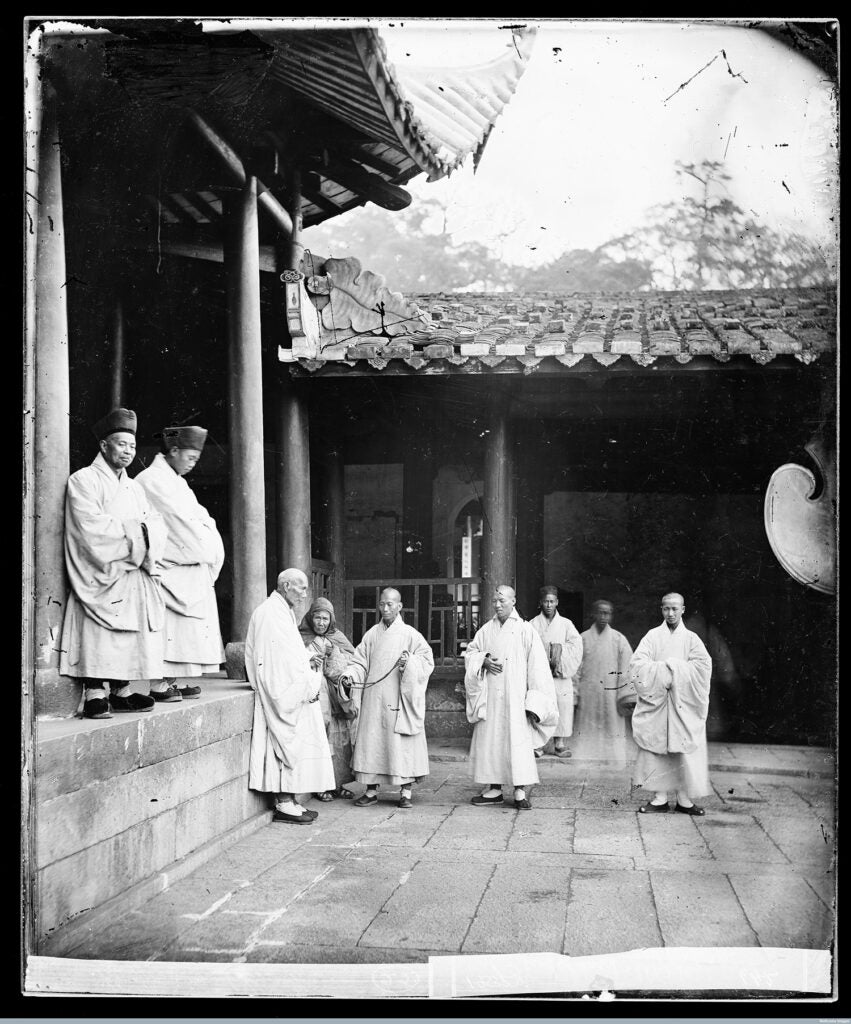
pixel 192 561
pixel 112 632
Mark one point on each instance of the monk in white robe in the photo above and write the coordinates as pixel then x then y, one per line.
pixel 114 540
pixel 511 702
pixel 563 645
pixel 289 749
pixel 192 562
pixel 601 732
pixel 388 675
pixel 670 671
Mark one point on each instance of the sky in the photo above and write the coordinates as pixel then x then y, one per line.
pixel 590 138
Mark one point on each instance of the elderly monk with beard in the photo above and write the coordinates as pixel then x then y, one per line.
pixel 289 749
pixel 387 676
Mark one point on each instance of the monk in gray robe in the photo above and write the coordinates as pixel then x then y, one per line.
pixel 388 675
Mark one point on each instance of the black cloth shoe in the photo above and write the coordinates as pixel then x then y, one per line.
pixel 189 692
pixel 97 707
pixel 694 810
pixel 135 702
pixel 405 801
pixel 293 819
pixel 308 812
pixel 486 801
pixel 168 696
pixel 650 808
pixel 366 801
pixel 523 805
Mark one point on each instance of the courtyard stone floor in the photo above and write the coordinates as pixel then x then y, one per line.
pixel 580 873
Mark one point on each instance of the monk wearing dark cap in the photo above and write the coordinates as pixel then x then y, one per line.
pixel 114 540
pixel 192 561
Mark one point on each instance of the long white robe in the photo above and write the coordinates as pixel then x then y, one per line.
pixel 671 670
pixel 600 733
pixel 502 750
pixel 289 748
pixel 559 630
pixel 113 625
pixel 390 742
pixel 193 559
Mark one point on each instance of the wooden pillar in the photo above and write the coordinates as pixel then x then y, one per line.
pixel 245 413
pixel 498 541
pixel 293 478
pixel 50 405
pixel 335 511
pixel 117 352
pixel 530 545
pixel 293 433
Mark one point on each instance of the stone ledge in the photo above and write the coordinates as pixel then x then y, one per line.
pixel 72 753
pixel 66 939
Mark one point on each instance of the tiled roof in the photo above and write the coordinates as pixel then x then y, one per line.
pixel 523 330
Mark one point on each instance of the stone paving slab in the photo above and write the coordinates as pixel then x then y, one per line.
pixel 699 910
pixel 523 909
pixel 607 832
pixel 543 829
pixel 361 883
pixel 434 909
pixel 610 912
pixel 740 838
pixel 478 828
pixel 671 838
pixel 784 912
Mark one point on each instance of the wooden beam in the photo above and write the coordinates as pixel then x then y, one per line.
pixel 371 186
pixel 232 163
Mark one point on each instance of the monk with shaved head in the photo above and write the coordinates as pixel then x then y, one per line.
pixel 289 748
pixel 671 670
pixel 511 702
pixel 387 678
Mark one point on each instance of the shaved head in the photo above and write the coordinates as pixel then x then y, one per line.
pixel 291 576
pixel 389 605
pixel 390 592
pixel 509 591
pixel 292 586
pixel 503 601
pixel 673 596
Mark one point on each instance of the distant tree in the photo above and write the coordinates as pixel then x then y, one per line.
pixel 412 249
pixel 587 270
pixel 704 240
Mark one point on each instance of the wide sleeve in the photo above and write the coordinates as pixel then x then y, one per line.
pixel 97 540
pixel 357 664
pixel 475 680
pixel 571 651
pixel 691 678
pixel 651 679
pixel 413 681
pixel 278 669
pixel 540 690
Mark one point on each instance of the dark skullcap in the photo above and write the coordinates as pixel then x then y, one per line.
pixel 184 437
pixel 542 593
pixel 115 421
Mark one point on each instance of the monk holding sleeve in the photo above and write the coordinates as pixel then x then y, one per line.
pixel 670 671
pixel 115 540
pixel 387 676
pixel 192 562
pixel 511 701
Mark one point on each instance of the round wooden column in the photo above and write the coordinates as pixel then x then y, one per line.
pixel 498 541
pixel 50 423
pixel 293 478
pixel 245 413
